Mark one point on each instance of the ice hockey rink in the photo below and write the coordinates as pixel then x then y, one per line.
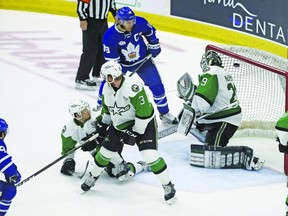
pixel 39 56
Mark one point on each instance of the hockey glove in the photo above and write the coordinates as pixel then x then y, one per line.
pixel 282 148
pixel 130 137
pixel 89 146
pixel 101 128
pixel 8 191
pixel 68 167
pixel 14 179
pixel 154 48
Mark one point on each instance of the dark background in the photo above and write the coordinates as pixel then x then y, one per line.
pixel 269 11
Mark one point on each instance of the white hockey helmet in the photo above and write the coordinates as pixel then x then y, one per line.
pixel 76 106
pixel 111 70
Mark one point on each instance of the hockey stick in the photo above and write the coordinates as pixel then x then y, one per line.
pixel 167 131
pixel 57 160
pixel 142 63
pixel 229 106
pixel 82 175
pixel 173 129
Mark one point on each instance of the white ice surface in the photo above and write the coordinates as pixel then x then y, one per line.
pixel 39 56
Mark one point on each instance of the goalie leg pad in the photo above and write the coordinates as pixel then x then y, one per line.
pixel 232 157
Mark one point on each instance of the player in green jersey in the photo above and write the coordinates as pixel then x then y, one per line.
pixel 79 129
pixel 282 138
pixel 129 116
pixel 214 108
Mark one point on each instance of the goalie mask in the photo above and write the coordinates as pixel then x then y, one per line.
pixel 76 107
pixel 111 71
pixel 210 58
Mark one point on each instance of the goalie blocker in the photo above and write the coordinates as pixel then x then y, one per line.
pixel 234 157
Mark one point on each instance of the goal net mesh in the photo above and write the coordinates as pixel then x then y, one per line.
pixel 260 79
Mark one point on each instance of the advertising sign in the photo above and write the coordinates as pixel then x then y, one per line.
pixel 264 18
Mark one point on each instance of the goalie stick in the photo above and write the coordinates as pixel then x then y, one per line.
pixel 173 129
pixel 57 160
pixel 167 131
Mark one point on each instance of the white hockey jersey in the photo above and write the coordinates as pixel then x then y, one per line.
pixel 73 132
pixel 127 106
pixel 216 91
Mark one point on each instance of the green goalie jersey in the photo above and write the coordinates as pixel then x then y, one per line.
pixel 128 106
pixel 216 91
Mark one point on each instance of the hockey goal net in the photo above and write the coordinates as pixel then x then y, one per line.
pixel 261 80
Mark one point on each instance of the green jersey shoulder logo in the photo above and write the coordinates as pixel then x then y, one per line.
pixel 135 88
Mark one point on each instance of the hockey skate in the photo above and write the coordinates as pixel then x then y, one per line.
pixel 255 164
pixel 87 84
pixel 89 182
pixel 168 118
pixel 145 166
pixel 123 172
pixel 97 80
pixel 169 193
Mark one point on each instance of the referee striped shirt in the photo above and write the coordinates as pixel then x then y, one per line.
pixel 97 9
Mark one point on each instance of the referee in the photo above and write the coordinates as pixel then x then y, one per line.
pixel 93 23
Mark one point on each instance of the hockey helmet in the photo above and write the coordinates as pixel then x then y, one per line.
pixel 210 58
pixel 124 14
pixel 76 106
pixel 111 70
pixel 3 126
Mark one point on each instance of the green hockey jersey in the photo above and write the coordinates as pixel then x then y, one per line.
pixel 74 131
pixel 216 91
pixel 128 106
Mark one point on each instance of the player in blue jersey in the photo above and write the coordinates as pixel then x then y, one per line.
pixel 125 42
pixel 9 169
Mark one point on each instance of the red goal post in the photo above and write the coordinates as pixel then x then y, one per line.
pixel 261 80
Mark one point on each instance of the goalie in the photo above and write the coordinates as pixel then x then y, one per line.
pixel 215 106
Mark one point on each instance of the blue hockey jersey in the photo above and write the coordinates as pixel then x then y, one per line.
pixel 129 48
pixel 6 164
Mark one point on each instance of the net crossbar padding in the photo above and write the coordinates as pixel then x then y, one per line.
pixel 260 79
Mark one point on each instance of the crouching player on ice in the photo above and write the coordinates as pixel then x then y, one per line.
pixel 80 128
pixel 129 116
pixel 282 138
pixel 214 108
pixel 9 169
